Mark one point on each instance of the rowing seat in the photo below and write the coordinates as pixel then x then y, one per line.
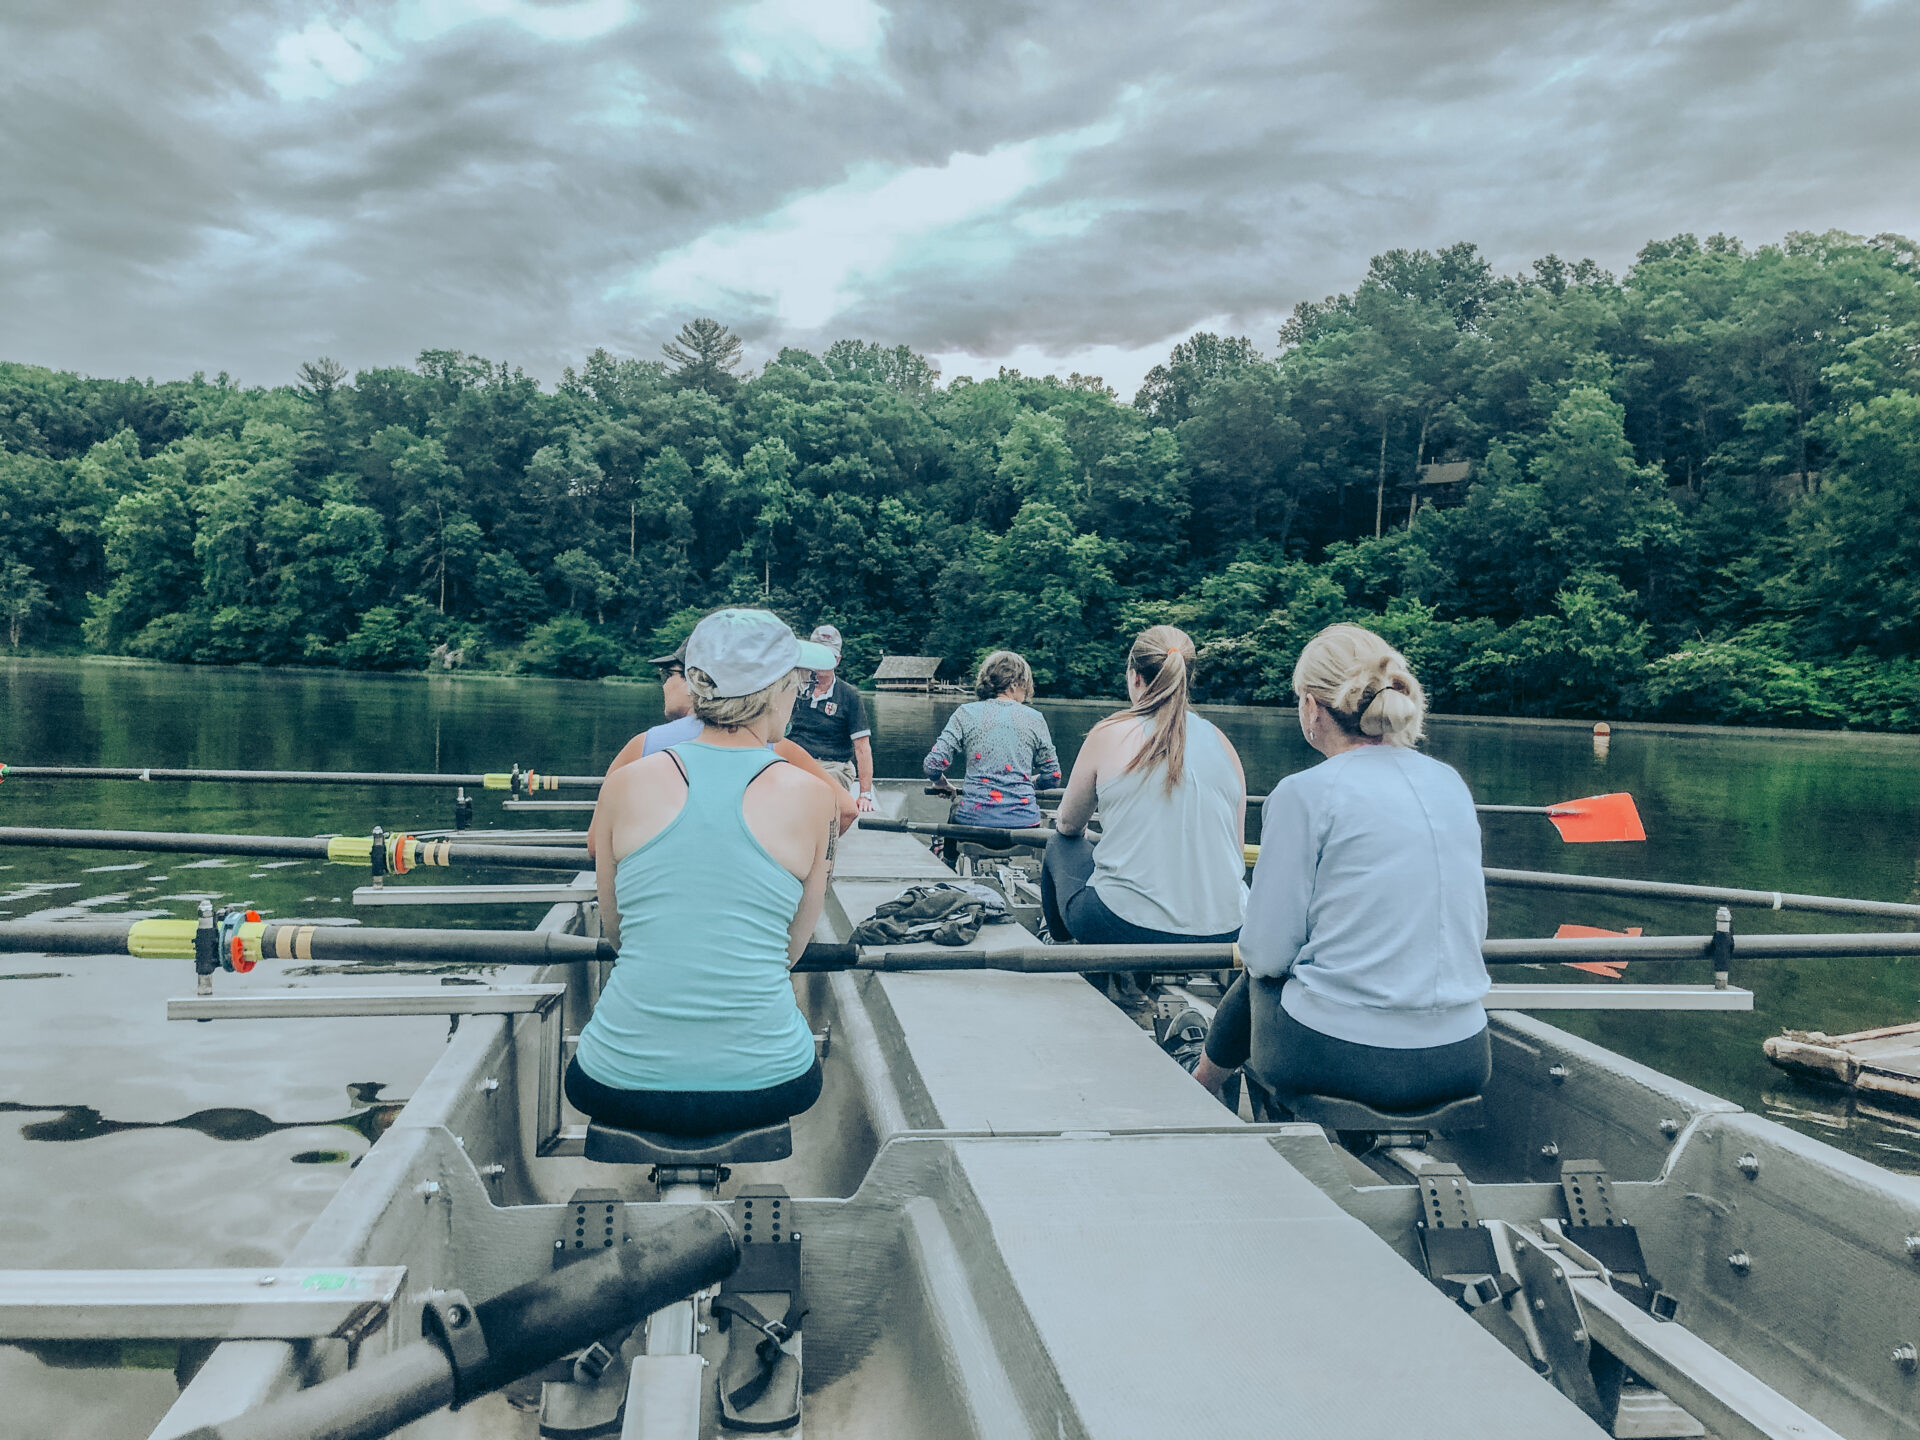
pixel 611 1145
pixel 1361 1127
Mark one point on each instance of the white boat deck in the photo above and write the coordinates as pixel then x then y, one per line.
pixel 1181 1281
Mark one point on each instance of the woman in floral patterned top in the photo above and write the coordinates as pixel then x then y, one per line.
pixel 1005 745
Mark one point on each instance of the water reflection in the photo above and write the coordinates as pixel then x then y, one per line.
pixel 222 1122
pixel 1832 814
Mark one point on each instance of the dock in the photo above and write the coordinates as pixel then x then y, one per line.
pixel 1883 1063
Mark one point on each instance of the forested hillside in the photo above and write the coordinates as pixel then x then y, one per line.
pixel 1693 492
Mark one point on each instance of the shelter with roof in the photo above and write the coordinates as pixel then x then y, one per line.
pixel 912 673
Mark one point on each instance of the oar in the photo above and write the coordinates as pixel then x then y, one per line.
pixel 471 1349
pixel 516 780
pixel 1593 820
pixel 1535 879
pixel 396 854
pixel 254 940
pixel 1612 969
pixel 1036 836
pixel 1714 894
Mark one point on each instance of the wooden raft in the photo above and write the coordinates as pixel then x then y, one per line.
pixel 1883 1062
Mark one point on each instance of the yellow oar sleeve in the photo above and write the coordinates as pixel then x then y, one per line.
pixel 162 939
pixel 350 849
pixel 497 780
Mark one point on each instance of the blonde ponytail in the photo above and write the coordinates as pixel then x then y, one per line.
pixel 1364 685
pixel 1162 658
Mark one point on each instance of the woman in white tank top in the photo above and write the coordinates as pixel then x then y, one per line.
pixel 1169 866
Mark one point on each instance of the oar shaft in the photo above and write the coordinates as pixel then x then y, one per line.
pixel 277 940
pixel 491 780
pixel 1714 894
pixel 1024 959
pixel 1036 837
pixel 407 851
pixel 1052 794
pixel 282 940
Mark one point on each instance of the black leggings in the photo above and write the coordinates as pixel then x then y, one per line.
pixel 1075 911
pixel 1295 1059
pixel 691 1113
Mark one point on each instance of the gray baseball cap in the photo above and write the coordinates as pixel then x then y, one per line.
pixel 747 650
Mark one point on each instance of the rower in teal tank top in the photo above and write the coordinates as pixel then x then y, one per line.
pixel 700 998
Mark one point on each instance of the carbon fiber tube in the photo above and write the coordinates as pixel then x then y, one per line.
pixel 327 942
pixel 350 943
pixel 272 777
pixel 1036 837
pixel 1713 894
pixel 287 847
pixel 525 1329
pixel 479 947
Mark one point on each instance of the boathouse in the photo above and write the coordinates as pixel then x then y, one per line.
pixel 911 673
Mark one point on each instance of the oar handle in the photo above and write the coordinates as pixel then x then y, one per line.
pixel 1036 836
pixel 518 1332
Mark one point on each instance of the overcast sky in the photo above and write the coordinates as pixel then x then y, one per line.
pixel 243 184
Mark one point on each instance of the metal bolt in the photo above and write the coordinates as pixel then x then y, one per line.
pixel 461 1141
pixel 1550 1151
pixel 1740 1261
pixel 493 1172
pixel 1749 1164
pixel 1540 1305
pixel 427 1189
pixel 700 1329
pixel 489 1085
pixel 1906 1358
pixel 1913 1246
pixel 1578 1336
pixel 1556 1073
pixel 268 1280
pixel 1669 1127
pixel 457 1316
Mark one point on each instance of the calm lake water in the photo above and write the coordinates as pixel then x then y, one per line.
pixel 129 1141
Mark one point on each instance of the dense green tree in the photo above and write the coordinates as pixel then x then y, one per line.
pixel 705 355
pixel 1691 493
pixel 21 597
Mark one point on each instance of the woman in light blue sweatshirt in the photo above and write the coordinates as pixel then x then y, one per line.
pixel 1368 908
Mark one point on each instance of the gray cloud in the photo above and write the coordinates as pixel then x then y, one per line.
pixel 173 197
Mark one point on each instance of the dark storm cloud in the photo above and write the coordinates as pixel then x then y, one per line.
pixel 182 188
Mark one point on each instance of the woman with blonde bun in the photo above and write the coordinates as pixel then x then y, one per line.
pixel 1369 907
pixel 1173 808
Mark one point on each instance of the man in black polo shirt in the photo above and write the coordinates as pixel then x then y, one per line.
pixel 830 724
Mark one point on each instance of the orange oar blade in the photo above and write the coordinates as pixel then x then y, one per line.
pixel 1612 969
pixel 1597 818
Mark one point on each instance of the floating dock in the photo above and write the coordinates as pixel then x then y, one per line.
pixel 1882 1063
